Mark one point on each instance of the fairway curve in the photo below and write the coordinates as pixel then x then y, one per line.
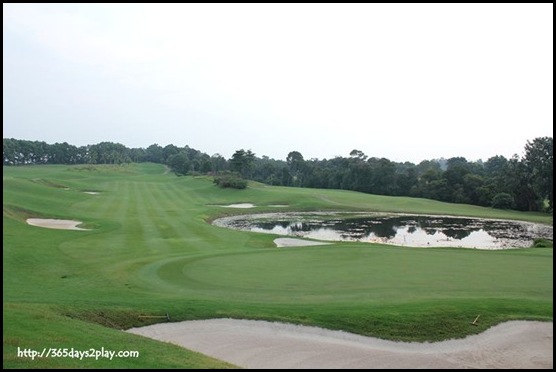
pixel 262 344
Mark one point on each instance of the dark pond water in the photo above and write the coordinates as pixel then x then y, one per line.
pixel 404 230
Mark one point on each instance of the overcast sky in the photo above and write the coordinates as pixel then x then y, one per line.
pixel 405 82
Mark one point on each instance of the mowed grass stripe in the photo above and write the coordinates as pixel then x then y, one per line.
pixel 173 218
pixel 120 244
pixel 149 233
pixel 181 209
pixel 161 212
pixel 113 202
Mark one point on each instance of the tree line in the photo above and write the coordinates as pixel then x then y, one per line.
pixel 520 182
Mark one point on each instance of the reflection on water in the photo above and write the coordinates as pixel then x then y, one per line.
pixel 405 230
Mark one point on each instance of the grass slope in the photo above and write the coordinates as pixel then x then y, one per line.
pixel 151 251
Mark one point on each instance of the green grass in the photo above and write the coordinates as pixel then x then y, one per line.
pixel 151 251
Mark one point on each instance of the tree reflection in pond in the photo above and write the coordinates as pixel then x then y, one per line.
pixel 406 230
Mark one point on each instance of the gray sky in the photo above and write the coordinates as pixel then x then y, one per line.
pixel 405 82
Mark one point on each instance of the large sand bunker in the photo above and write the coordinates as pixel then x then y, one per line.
pixel 55 224
pixel 261 344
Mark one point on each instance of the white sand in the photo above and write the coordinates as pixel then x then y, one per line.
pixel 260 344
pixel 91 192
pixel 293 242
pixel 239 205
pixel 55 224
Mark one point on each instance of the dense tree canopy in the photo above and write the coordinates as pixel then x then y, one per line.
pixel 523 183
pixel 538 161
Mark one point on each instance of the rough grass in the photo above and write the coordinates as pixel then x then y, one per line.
pixel 40 327
pixel 152 252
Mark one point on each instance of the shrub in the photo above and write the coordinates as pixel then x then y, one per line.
pixel 542 243
pixel 230 180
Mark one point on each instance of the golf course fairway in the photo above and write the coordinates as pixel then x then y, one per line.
pixel 147 252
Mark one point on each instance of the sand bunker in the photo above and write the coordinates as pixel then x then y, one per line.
pixel 240 205
pixel 292 242
pixel 55 224
pixel 260 344
pixel 250 205
pixel 91 192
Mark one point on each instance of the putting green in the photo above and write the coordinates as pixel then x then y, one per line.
pixel 363 274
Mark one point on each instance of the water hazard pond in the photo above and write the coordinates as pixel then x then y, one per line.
pixel 396 229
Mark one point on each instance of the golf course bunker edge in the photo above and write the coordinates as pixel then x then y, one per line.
pixel 51 223
pixel 267 345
